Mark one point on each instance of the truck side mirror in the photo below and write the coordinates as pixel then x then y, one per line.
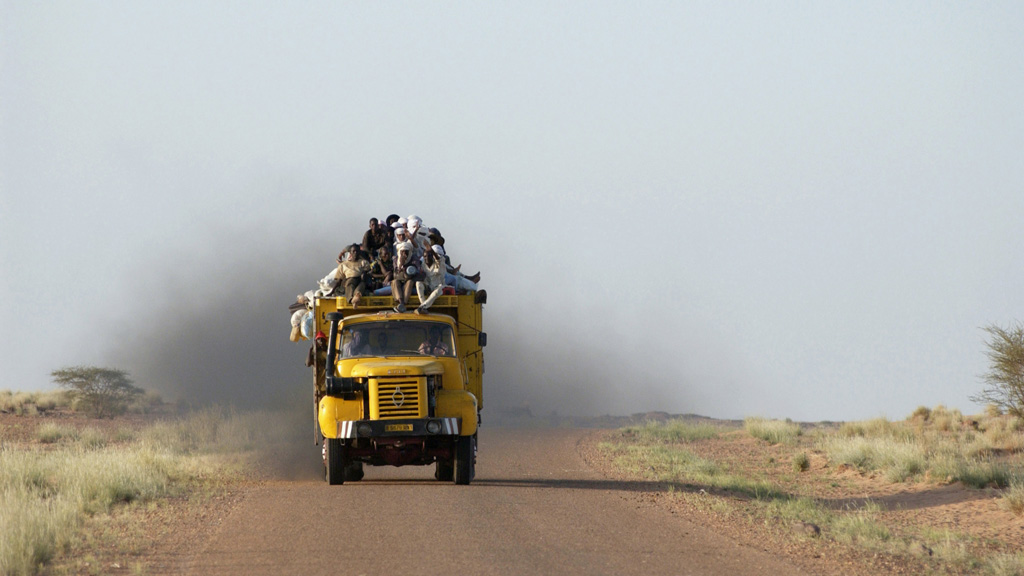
pixel 481 339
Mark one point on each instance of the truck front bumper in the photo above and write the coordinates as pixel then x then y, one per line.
pixel 398 427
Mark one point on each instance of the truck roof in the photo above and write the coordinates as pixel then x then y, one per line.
pixel 392 315
pixel 462 308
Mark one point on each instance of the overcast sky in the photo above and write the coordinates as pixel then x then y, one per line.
pixel 785 209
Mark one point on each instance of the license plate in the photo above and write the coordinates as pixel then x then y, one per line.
pixel 398 428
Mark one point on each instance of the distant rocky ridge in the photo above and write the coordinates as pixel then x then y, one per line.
pixel 523 416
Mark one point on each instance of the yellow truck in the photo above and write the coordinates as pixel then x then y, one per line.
pixel 398 388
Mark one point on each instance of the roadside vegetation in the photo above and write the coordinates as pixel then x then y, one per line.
pixel 939 446
pixel 795 486
pixel 1004 381
pixel 33 403
pixel 58 482
pixel 772 431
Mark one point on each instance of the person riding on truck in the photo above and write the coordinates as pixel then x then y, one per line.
pixel 353 271
pixel 375 238
pixel 408 269
pixel 433 345
pixel 382 269
pixel 358 345
pixel 432 284
pixel 381 349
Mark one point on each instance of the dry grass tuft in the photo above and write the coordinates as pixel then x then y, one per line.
pixel 50 433
pixel 773 431
pixel 801 462
pixel 1005 565
pixel 32 403
pixel 1013 498
pixel 674 431
pixel 937 444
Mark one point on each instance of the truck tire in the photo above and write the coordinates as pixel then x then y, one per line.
pixel 445 471
pixel 335 462
pixel 465 450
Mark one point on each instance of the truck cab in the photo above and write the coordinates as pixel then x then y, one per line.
pixel 398 388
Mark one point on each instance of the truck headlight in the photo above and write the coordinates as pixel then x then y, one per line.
pixel 433 426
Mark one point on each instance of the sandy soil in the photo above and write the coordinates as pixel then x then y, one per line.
pixel 178 535
pixel 976 514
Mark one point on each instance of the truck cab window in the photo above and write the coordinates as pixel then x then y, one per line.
pixel 397 339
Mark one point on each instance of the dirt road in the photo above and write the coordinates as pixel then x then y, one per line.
pixel 534 508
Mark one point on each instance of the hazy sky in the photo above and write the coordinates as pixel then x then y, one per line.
pixel 786 209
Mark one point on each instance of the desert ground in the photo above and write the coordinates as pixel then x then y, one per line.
pixel 546 499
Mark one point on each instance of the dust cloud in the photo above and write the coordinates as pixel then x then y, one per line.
pixel 213 329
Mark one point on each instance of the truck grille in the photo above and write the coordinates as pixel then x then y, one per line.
pixel 398 399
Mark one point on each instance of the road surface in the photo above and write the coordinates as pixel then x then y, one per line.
pixel 534 508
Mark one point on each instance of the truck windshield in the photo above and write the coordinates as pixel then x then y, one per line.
pixel 397 338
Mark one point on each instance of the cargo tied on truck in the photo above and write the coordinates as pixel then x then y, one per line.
pixel 395 388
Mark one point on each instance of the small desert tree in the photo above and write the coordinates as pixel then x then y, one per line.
pixel 1004 381
pixel 101 392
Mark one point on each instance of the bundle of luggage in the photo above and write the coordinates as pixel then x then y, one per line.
pixel 395 257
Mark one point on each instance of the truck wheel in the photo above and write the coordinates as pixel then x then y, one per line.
pixel 465 449
pixel 445 471
pixel 354 472
pixel 335 462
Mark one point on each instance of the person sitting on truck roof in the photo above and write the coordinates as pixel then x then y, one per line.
pixel 353 271
pixel 360 254
pixel 381 269
pixel 390 231
pixel 357 345
pixel 452 276
pixel 432 284
pixel 436 239
pixel 433 346
pixel 407 270
pixel 418 233
pixel 374 238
